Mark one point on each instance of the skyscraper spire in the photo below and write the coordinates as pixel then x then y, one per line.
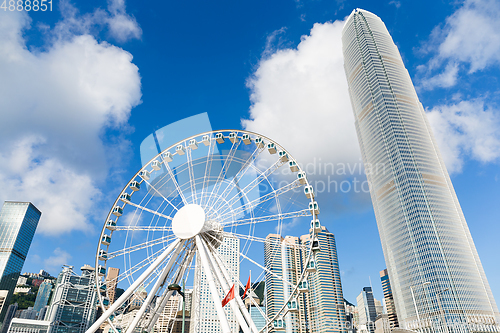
pixel 434 268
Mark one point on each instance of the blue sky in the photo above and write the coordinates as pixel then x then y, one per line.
pixel 83 85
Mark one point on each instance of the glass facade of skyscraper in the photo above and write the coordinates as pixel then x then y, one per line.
pixel 434 269
pixel 42 297
pixel 18 222
pixel 321 309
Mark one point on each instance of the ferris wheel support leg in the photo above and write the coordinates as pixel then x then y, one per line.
pixel 156 286
pixel 237 297
pixel 131 289
pixel 164 300
pixel 225 286
pixel 213 289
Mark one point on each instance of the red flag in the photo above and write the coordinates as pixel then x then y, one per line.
pixel 246 287
pixel 229 296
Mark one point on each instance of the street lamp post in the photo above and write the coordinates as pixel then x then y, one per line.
pixel 441 309
pixel 415 303
pixel 416 309
pixel 176 287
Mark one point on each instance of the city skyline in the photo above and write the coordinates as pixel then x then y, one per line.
pixel 427 244
pixel 69 150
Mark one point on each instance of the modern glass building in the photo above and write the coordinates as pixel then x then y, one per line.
pixel 74 304
pixel 389 298
pixel 326 311
pixel 321 309
pixel 42 297
pixel 18 222
pixel 282 257
pixel 434 268
pixel 367 311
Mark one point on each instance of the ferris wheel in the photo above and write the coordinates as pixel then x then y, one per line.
pixel 206 211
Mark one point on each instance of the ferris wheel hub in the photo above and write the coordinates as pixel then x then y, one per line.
pixel 188 221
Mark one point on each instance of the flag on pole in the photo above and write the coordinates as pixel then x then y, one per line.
pixel 229 296
pixel 247 287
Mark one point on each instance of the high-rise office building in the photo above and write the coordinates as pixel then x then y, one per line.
pixel 74 304
pixel 389 299
pixel 321 309
pixel 282 257
pixel 18 222
pixel 42 297
pixel 367 312
pixel 9 315
pixel 111 283
pixel 203 313
pixel 326 311
pixel 435 271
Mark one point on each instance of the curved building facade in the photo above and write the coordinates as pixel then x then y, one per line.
pixel 433 265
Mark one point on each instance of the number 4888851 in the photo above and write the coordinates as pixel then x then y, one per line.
pixel 26 5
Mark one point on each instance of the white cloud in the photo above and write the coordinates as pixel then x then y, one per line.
pixel 300 99
pixel 120 25
pixel 56 106
pixel 59 258
pixel 470 36
pixel 465 130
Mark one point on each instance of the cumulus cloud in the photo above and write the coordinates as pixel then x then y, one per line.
pixel 466 129
pixel 56 106
pixel 300 99
pixel 58 258
pixel 470 36
pixel 120 25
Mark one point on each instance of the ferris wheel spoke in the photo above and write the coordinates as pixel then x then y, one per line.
pixel 148 210
pixel 267 270
pixel 249 206
pixel 191 174
pixel 208 168
pixel 137 247
pixel 222 174
pixel 263 240
pixel 239 175
pixel 260 178
pixel 275 217
pixel 174 181
pixel 138 266
pixel 142 228
pixel 161 195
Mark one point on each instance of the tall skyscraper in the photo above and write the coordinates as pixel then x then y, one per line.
pixel 322 308
pixel 203 313
pixel 282 257
pixel 74 304
pixel 42 297
pixel 435 271
pixel 389 299
pixel 111 283
pixel 326 310
pixel 367 311
pixel 18 222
